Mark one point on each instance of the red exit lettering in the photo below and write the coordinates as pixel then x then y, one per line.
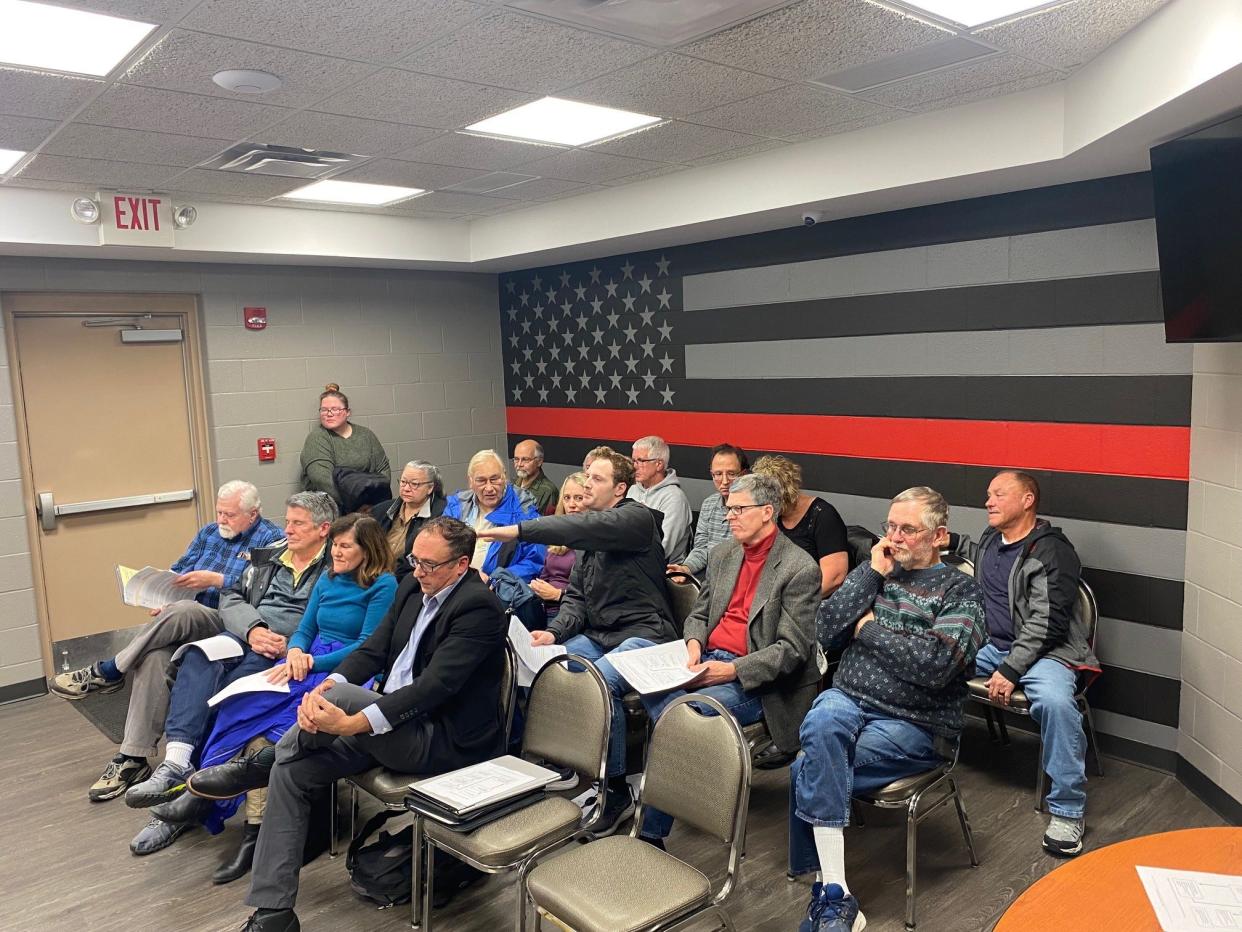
pixel 136 213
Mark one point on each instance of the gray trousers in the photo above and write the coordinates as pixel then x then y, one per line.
pixel 306 763
pixel 144 661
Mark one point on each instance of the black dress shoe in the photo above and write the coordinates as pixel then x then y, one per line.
pixel 272 920
pixel 184 810
pixel 239 864
pixel 224 781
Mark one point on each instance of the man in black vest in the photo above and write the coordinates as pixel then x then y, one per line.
pixel 441 652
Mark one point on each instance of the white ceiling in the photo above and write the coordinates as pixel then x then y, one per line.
pixel 395 79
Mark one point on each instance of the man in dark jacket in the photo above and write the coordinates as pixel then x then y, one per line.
pixel 616 592
pixel 1029 573
pixel 441 652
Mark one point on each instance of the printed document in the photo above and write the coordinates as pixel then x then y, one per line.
pixel 254 683
pixel 654 669
pixel 493 781
pixel 218 647
pixel 530 659
pixel 149 587
pixel 1192 901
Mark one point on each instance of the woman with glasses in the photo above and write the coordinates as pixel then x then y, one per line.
pixel 336 442
pixel 490 501
pixel 553 579
pixel 346 605
pixel 420 496
pixel 809 521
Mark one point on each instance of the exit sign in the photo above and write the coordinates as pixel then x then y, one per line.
pixel 135 219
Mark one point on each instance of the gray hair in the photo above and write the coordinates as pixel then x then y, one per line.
pixel 320 505
pixel 482 457
pixel 247 494
pixel 656 448
pixel 935 508
pixel 431 470
pixel 533 442
pixel 763 489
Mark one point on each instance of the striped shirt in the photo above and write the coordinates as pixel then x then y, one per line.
pixel 710 531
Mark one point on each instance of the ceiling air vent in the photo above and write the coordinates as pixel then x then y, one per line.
pixel 657 22
pixel 253 158
pixel 921 60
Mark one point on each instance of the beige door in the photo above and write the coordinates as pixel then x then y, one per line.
pixel 111 434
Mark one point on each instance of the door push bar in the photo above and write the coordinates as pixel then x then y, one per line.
pixel 49 511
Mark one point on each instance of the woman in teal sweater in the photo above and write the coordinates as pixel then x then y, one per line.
pixel 346 605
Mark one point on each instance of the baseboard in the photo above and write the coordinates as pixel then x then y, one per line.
pixel 1208 792
pixel 26 690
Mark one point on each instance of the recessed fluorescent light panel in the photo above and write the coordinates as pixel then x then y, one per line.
pixel 9 158
pixel 562 122
pixel 55 38
pixel 971 13
pixel 352 192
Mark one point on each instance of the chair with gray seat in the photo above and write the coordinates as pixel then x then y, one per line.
pixel 568 717
pixel 698 771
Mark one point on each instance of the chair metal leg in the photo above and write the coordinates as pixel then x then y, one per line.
pixel 1039 776
pixel 991 720
pixel 1004 729
pixel 1095 744
pixel 334 828
pixel 912 842
pixel 429 868
pixel 725 919
pixel 420 876
pixel 965 820
pixel 353 811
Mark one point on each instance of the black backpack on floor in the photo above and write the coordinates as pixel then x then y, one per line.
pixel 380 872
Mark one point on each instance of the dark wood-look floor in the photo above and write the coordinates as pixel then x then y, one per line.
pixel 66 865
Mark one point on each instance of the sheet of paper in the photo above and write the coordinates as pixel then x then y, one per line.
pixel 530 659
pixel 654 669
pixel 492 781
pixel 1192 901
pixel 254 683
pixel 218 647
pixel 150 587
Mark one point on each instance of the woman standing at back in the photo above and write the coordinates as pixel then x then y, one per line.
pixel 336 442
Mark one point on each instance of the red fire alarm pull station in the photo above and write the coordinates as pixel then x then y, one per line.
pixel 267 450
pixel 255 318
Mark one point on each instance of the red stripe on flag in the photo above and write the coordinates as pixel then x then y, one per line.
pixel 1106 449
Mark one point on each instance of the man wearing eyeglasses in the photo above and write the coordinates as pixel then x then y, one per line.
pixel 727 463
pixel 913 627
pixel 657 487
pixel 528 476
pixel 440 649
pixel 419 498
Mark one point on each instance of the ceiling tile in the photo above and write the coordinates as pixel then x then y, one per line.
pixel 99 173
pixel 943 86
pixel 23 182
pixel 407 174
pixel 370 30
pixel 995 90
pixel 787 112
pixel 529 54
pixel 668 168
pixel 129 145
pixel 425 100
pixel 815 37
pixel 672 85
pixel 477 152
pixel 875 119
pixel 763 145
pixel 204 181
pixel 676 142
pixel 48 96
pixel 1068 35
pixel 24 133
pixel 588 166
pixel 544 189
pixel 185 61
pixel 161 12
pixel 146 108
pixel 310 130
pixel 456 202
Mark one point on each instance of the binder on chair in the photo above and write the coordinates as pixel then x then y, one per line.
pixel 467 791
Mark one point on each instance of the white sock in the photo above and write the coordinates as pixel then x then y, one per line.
pixel 178 752
pixel 830 846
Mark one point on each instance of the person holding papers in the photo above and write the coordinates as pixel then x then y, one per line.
pixel 215 560
pixel 345 606
pixel 751 634
pixel 441 651
pixel 616 593
pixel 257 616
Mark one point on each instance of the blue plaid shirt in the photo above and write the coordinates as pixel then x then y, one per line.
pixel 210 551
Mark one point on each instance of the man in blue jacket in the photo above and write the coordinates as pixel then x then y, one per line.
pixel 490 502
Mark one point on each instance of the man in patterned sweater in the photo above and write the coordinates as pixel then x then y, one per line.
pixel 913 626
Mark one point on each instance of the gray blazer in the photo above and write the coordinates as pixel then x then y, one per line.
pixel 780 666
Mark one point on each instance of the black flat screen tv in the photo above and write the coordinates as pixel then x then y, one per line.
pixel 1197 182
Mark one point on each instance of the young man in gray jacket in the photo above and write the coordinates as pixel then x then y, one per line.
pixel 1029 573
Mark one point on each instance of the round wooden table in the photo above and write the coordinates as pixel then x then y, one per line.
pixel 1101 890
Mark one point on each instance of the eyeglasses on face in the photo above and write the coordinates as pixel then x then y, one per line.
pixel 905 530
pixel 426 566
pixel 736 510
pixel 522 460
pixel 487 480
pixel 729 474
pixel 644 459
pixel 413 483
pixel 332 412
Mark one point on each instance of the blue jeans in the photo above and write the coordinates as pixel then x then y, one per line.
pixel 1050 685
pixel 847 749
pixel 198 679
pixel 584 647
pixel 747 709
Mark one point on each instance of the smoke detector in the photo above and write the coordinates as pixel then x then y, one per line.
pixel 242 81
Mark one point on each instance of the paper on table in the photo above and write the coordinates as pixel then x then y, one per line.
pixel 149 587
pixel 530 659
pixel 654 669
pixel 1192 901
pixel 254 683
pixel 480 784
pixel 218 647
